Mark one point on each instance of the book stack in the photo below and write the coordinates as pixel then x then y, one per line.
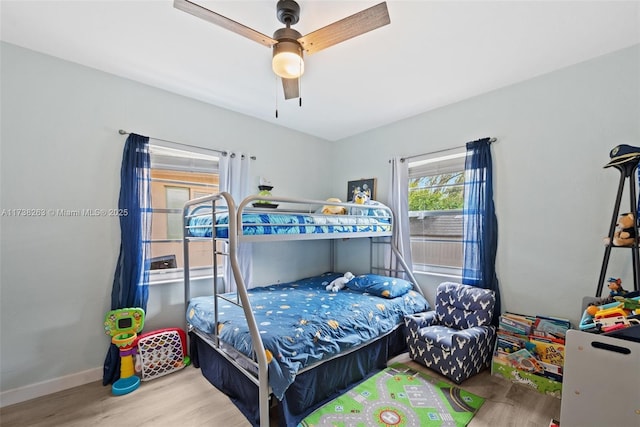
pixel 530 346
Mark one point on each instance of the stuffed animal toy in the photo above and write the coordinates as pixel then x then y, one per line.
pixel 625 234
pixel 361 196
pixel 340 282
pixel 332 209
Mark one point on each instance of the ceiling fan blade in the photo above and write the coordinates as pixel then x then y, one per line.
pixel 224 22
pixel 291 88
pixel 345 29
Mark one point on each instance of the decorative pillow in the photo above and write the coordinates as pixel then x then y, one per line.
pixel 382 286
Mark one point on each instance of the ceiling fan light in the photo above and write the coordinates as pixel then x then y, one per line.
pixel 287 60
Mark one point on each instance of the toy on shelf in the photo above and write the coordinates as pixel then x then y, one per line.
pixel 615 290
pixel 615 287
pixel 625 233
pixel 123 325
pixel 265 188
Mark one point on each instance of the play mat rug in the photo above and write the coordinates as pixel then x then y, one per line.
pixel 398 396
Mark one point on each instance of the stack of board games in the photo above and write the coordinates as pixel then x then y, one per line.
pixel 530 350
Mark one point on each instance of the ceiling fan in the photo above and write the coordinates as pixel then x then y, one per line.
pixel 288 44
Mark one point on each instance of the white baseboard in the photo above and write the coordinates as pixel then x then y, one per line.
pixel 22 394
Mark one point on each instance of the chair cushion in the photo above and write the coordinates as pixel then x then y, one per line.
pixel 440 336
pixel 463 306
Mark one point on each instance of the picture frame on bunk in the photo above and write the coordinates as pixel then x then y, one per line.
pixel 362 184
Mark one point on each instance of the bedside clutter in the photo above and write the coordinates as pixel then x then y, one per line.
pixel 530 350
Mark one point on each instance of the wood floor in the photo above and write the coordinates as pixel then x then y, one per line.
pixel 185 399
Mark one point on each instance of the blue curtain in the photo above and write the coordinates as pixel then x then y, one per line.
pixel 131 279
pixel 480 225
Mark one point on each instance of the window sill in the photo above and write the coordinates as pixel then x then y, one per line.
pixel 452 273
pixel 163 277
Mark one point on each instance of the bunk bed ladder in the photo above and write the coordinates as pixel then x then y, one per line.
pixel 242 298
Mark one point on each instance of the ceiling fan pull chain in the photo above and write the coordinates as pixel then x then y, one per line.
pixel 300 84
pixel 276 95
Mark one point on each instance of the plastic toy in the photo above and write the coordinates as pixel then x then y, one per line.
pixel 123 326
pixel 615 323
pixel 629 304
pixel 615 287
pixel 606 312
pixel 265 188
pixel 161 352
pixel 610 312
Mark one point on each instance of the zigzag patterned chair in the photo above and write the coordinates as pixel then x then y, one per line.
pixel 456 339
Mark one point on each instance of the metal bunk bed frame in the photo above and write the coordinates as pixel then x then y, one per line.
pixel 235 236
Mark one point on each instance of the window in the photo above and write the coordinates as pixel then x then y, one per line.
pixel 175 198
pixel 436 197
pixel 177 176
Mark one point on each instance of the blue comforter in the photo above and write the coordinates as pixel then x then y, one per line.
pixel 287 223
pixel 302 323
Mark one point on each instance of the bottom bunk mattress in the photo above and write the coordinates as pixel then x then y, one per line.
pixel 301 323
pixel 312 387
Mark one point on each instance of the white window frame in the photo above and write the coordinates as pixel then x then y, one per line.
pixel 169 156
pixel 429 165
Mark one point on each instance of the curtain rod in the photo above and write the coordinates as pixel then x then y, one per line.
pixel 402 159
pixel 224 153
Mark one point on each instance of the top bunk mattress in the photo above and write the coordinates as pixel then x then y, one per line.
pixel 302 323
pixel 261 223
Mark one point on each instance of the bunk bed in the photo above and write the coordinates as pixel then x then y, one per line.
pixel 292 345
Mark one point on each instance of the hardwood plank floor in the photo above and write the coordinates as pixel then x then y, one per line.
pixel 185 398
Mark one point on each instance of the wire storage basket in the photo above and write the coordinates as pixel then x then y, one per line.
pixel 160 352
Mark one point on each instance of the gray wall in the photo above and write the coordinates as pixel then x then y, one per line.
pixel 60 149
pixel 553 198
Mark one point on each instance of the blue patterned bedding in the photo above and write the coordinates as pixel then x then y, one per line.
pixel 262 223
pixel 301 322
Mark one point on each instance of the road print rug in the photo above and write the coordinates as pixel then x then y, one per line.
pixel 398 396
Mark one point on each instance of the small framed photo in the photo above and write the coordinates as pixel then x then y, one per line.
pixel 366 186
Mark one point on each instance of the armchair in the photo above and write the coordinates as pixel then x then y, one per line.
pixel 456 339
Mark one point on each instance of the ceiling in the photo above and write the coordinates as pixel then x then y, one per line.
pixel 432 54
